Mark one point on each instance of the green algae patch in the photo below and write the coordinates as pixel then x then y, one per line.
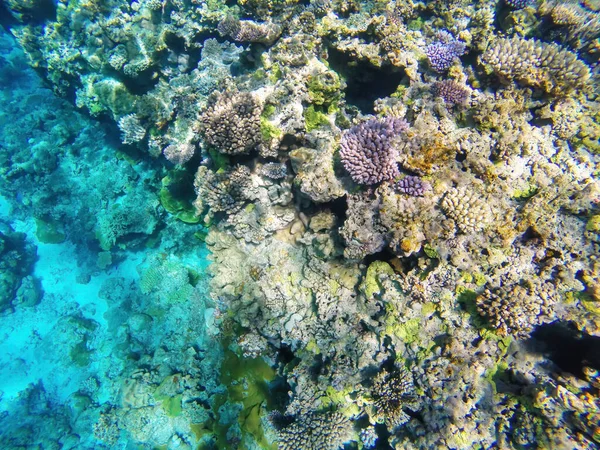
pixel 80 355
pixel 371 284
pixel 314 119
pixel 593 224
pixel 408 331
pixel 416 25
pixel 172 405
pixel 525 194
pixel 220 161
pixel 431 252
pixel 247 381
pixel 269 131
pixel 174 198
pixel 324 88
pixel 48 232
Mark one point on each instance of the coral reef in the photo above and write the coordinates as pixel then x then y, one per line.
pixel 231 123
pixel 324 224
pixel 538 64
pixel 367 153
pixel 326 431
pixel 443 52
pixel 248 30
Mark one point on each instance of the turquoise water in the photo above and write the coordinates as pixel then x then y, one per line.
pixel 299 225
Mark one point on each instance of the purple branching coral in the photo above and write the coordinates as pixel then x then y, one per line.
pixel 444 51
pixel 451 92
pixel 367 153
pixel 413 186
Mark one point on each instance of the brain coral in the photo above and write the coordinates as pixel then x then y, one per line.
pixel 367 153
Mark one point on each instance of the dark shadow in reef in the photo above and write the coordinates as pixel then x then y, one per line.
pixel 365 83
pixel 569 349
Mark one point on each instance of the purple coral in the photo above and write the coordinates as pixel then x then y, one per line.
pixel 413 186
pixel 366 150
pixel 444 51
pixel 451 92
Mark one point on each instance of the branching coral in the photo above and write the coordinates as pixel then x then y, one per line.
pixel 443 52
pixel 131 128
pixel 392 392
pixel 469 211
pixel 325 431
pixel 517 309
pixel 367 153
pixel 534 63
pixel 231 123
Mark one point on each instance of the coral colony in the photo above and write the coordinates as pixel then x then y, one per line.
pixel 284 224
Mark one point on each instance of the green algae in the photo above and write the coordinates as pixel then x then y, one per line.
pixel 172 405
pixel 371 284
pixel 172 197
pixel 526 193
pixel 269 131
pixel 80 355
pixel 314 118
pixel 247 382
pixel 49 232
pixel 324 88
pixel 431 252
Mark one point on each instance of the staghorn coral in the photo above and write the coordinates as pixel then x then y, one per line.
pixel 451 92
pixel 515 310
pixel 324 431
pixel 231 122
pixel 538 64
pixel 578 25
pixel 368 437
pixel 366 150
pixel 442 53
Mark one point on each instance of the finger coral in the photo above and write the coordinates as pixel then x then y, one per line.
pixel 451 92
pixel 538 64
pixel 469 211
pixel 367 153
